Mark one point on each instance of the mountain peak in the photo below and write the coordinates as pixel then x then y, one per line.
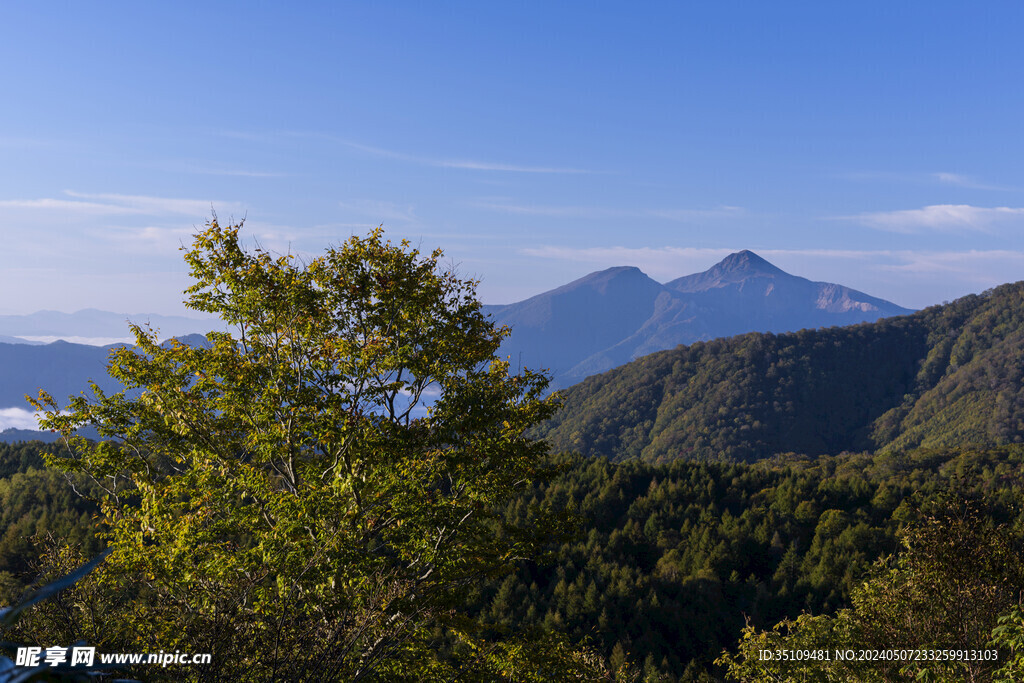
pixel 619 278
pixel 747 262
pixel 735 267
pixel 614 273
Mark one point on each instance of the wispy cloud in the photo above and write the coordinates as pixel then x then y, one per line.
pixel 380 211
pixel 242 173
pixel 440 162
pixel 967 182
pixel 66 205
pixel 941 177
pixel 11 142
pixel 120 204
pixel 978 265
pixel 599 212
pixel 469 164
pixel 158 205
pixel 200 166
pixel 147 239
pixel 688 215
pixel 245 135
pixel 437 162
pixel 939 217
pixel 662 263
pixel 547 210
pixel 494 166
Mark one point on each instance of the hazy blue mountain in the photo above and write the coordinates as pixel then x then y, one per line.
pixel 91 322
pixel 14 435
pixel 611 317
pixel 61 368
pixel 4 339
pixel 744 293
pixel 562 327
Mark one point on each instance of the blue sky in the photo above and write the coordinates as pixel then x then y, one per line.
pixel 875 144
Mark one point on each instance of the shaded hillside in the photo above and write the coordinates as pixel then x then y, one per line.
pixel 611 317
pixel 61 368
pixel 946 376
pixel 595 312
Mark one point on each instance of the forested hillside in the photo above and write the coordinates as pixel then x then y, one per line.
pixel 667 563
pixel 949 375
pixel 672 560
pixel 36 502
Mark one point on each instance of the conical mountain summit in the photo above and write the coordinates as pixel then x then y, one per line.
pixel 733 268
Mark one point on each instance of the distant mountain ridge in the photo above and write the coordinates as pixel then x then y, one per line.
pixel 91 322
pixel 610 317
pixel 947 376
pixel 61 368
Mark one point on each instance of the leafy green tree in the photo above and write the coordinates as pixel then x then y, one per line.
pixel 946 591
pixel 1008 635
pixel 13 671
pixel 310 496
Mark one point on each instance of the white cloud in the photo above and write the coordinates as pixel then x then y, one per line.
pixel 940 217
pixel 18 418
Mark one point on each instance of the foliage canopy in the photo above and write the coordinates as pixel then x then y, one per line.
pixel 309 495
